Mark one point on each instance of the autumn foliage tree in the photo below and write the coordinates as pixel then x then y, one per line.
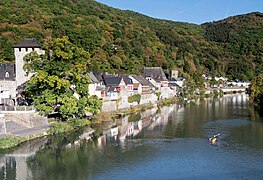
pixel 60 84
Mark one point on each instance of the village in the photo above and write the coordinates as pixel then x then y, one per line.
pixel 113 90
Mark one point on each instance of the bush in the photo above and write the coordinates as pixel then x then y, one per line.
pixel 76 122
pixel 135 98
pixel 59 127
pixel 134 117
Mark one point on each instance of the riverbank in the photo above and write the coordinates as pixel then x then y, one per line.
pixel 13 140
pixel 163 145
pixel 72 126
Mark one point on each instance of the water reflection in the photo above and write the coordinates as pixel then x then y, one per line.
pixel 158 143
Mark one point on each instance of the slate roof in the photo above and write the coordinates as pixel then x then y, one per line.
pixel 126 79
pixel 93 77
pixel 143 81
pixel 11 69
pixel 28 43
pixel 98 76
pixel 155 73
pixel 112 81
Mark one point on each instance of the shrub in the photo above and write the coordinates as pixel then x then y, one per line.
pixel 59 127
pixel 76 122
pixel 135 98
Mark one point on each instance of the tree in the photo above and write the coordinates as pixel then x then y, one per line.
pixel 59 84
pixel 256 93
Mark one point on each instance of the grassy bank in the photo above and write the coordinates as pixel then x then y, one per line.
pixel 12 141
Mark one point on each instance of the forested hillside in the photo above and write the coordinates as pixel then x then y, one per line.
pixel 125 41
pixel 242 39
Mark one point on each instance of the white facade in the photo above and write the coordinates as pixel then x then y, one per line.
pixel 7 90
pixel 93 90
pixel 21 75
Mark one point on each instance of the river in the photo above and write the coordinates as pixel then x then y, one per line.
pixel 165 143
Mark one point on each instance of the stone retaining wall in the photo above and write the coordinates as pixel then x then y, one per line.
pixel 26 118
pixel 108 106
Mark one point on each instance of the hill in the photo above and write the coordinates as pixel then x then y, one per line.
pixel 242 39
pixel 125 41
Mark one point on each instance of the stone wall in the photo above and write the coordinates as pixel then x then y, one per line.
pixel 148 98
pixel 123 102
pixel 26 118
pixel 108 106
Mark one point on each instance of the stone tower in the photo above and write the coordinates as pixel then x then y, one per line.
pixel 21 49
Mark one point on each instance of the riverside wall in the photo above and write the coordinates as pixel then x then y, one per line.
pixel 122 103
pixel 28 119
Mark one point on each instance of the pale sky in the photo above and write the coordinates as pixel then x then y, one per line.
pixel 193 11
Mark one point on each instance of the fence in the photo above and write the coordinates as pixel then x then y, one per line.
pixel 16 108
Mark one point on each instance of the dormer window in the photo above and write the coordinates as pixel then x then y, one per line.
pixel 7 75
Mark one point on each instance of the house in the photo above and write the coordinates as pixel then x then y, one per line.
pixel 129 84
pixel 178 82
pixel 156 76
pixel 142 85
pixel 137 85
pixel 114 81
pixel 175 89
pixel 7 83
pixel 96 87
pixel 114 85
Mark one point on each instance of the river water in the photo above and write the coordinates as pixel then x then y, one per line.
pixel 166 143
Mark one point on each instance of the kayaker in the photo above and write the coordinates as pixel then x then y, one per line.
pixel 214 138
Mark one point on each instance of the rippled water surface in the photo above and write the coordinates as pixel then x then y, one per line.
pixel 172 144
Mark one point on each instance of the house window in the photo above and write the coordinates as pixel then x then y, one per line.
pixel 26 49
pixel 7 74
pixel 33 49
pixel 19 49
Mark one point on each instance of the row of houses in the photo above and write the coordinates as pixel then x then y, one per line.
pixel 152 85
pixel 108 87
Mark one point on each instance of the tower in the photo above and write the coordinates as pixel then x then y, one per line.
pixel 21 49
pixel 174 74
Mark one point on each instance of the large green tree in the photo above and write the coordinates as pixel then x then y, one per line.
pixel 60 84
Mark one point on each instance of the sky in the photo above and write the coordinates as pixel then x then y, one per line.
pixel 192 11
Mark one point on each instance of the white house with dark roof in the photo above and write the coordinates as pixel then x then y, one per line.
pixel 95 86
pixel 129 84
pixel 114 86
pixel 7 83
pixel 156 76
pixel 142 85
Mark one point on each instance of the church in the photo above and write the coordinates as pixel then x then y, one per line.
pixel 13 75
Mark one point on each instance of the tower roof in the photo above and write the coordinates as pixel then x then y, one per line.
pixel 28 43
